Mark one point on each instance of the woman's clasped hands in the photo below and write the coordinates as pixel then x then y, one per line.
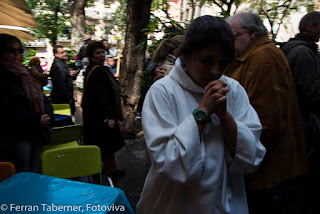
pixel 214 100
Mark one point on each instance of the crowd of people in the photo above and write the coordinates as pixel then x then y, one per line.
pixel 231 120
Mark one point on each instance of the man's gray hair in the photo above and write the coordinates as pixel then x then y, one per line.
pixel 250 22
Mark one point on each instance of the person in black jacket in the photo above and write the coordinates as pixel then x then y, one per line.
pixel 62 87
pixel 101 107
pixel 303 56
pixel 25 114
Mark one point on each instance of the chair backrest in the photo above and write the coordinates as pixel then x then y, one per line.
pixel 66 134
pixel 63 109
pixel 56 146
pixel 7 169
pixel 71 162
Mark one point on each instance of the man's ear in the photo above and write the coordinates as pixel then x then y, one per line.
pixel 252 34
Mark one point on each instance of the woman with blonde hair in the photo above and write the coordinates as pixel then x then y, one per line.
pixel 165 55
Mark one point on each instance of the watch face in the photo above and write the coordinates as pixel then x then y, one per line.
pixel 200 115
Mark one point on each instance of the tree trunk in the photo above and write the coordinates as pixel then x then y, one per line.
pixel 138 15
pixel 78 22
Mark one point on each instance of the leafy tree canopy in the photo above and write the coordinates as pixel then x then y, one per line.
pixel 51 16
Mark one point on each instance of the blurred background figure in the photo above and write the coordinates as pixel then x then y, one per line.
pixel 80 77
pixel 37 71
pixel 165 55
pixel 111 64
pixel 108 50
pixel 81 53
pixel 25 112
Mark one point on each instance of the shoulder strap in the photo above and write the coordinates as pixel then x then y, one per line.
pixel 89 74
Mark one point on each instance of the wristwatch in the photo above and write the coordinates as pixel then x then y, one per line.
pixel 201 116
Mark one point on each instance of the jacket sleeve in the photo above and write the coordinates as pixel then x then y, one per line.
pixel 306 73
pixel 175 149
pixel 249 150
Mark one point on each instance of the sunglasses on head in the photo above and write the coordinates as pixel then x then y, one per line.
pixel 14 50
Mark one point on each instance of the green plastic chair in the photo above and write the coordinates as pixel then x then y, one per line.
pixel 65 136
pixel 63 109
pixel 72 162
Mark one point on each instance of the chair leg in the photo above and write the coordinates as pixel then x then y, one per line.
pixel 100 175
pixel 90 179
pixel 110 181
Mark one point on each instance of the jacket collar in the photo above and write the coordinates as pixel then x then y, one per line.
pixel 259 41
pixel 309 43
pixel 60 60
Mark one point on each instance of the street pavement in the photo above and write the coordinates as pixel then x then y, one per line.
pixel 132 159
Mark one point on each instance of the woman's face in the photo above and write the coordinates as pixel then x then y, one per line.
pixel 13 54
pixel 206 65
pixel 98 56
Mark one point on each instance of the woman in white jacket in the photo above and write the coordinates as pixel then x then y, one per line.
pixel 201 132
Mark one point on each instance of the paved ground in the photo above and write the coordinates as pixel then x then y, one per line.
pixel 132 159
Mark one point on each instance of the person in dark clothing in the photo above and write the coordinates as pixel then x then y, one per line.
pixel 62 87
pixel 303 56
pixel 101 108
pixel 25 112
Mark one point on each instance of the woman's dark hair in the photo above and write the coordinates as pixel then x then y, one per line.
pixel 92 47
pixel 207 30
pixel 6 41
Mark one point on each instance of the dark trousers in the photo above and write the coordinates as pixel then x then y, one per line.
pixel 261 201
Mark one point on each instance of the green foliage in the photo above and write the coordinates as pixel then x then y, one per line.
pixel 75 87
pixel 146 78
pixel 277 12
pixel 156 25
pixel 224 5
pixel 119 18
pixel 51 17
pixel 71 53
pixel 90 29
pixel 169 27
pixel 27 56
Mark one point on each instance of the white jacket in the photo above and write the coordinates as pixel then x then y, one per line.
pixel 189 175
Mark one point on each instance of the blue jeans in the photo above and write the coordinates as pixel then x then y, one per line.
pixel 24 154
